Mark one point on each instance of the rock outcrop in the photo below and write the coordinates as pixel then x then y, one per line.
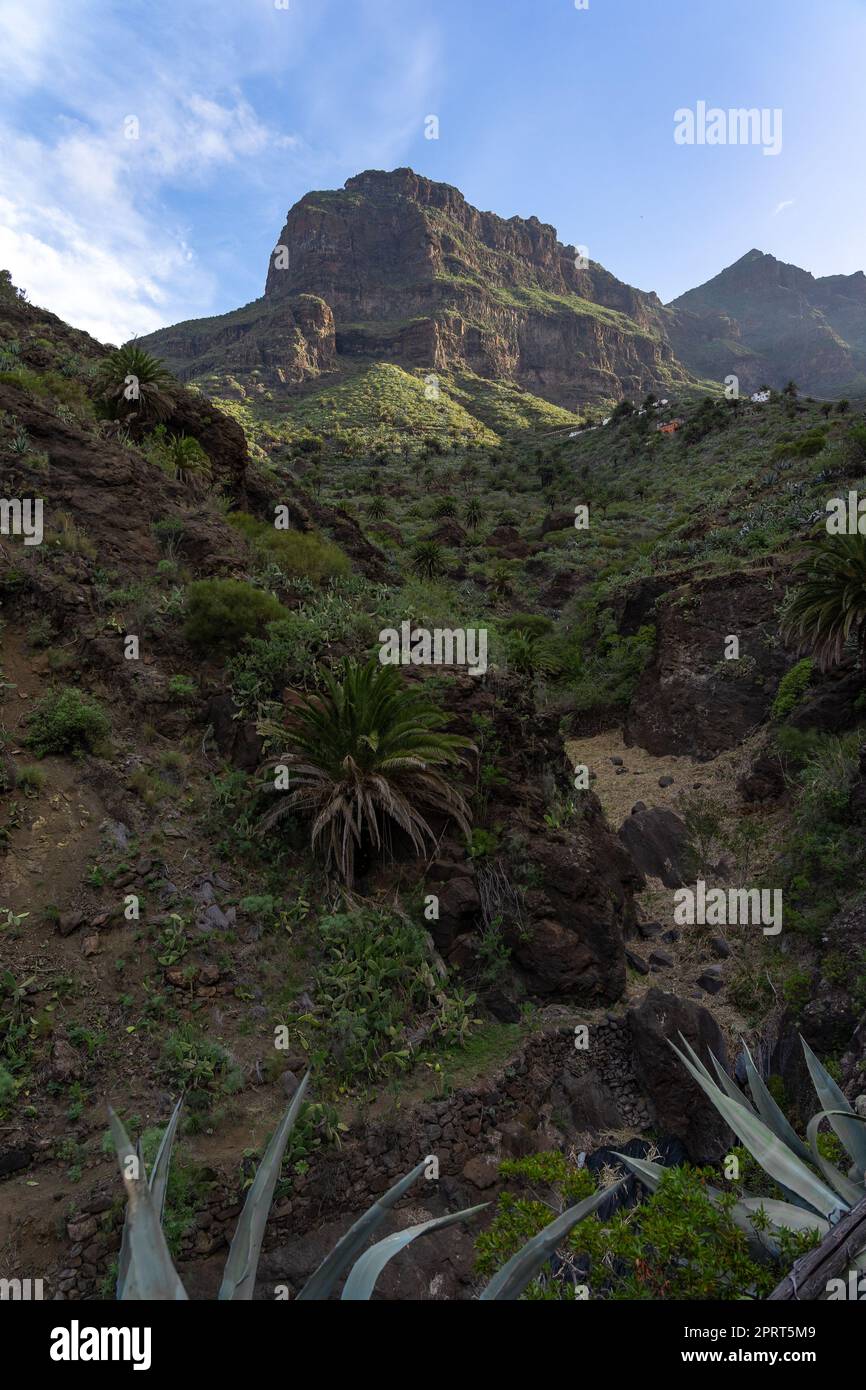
pixel 396 267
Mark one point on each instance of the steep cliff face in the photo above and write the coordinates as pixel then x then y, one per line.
pixel 396 267
pixel 779 322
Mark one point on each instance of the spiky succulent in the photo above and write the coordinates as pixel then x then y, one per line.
pixel 819 1194
pixel 146 1271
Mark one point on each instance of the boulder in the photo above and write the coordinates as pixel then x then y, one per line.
pixel 656 841
pixel 592 1105
pixel 459 910
pixel 689 699
pixel 681 1108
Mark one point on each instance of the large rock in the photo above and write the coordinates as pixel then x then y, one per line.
pixel 656 840
pixel 689 699
pixel 830 704
pixel 574 945
pixel 681 1107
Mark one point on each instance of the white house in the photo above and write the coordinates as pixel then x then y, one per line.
pixel 760 397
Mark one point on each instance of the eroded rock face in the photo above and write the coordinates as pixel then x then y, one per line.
pixel 396 267
pixel 681 1108
pixel 690 699
pixel 580 904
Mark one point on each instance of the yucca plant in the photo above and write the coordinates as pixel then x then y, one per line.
pixel 427 560
pixel 819 1194
pixel 133 383
pixel 146 1272
pixel 366 753
pixel 828 607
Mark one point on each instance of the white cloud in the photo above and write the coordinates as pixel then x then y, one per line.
pixel 780 207
pixel 90 219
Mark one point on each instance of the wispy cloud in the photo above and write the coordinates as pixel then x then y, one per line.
pixel 780 207
pixel 119 129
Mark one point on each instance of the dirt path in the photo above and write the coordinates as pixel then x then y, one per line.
pixel 625 776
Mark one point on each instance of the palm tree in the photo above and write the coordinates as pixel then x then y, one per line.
pixel 377 508
pixel 473 513
pixel 828 607
pixel 427 561
pixel 365 755
pixel 187 459
pixel 132 383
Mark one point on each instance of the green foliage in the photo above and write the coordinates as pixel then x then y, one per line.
pixel 610 675
pixel 428 560
pixel 179 455
pixel 828 607
pixel 792 688
pixel 221 612
pixel 807 446
pixel 66 721
pixel 130 382
pixel 366 757
pixel 374 987
pixel 297 554
pixel 677 1244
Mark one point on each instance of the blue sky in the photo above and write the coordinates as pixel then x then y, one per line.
pixel 244 105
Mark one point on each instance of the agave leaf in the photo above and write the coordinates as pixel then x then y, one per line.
pixel 850 1192
pixel 125 1287
pixel 522 1268
pixel 650 1174
pixel 850 1131
pixel 161 1164
pixel 785 1215
pixel 774 1157
pixel 154 1277
pixel 770 1113
pixel 362 1280
pixel 322 1282
pixel 730 1087
pixel 693 1056
pixel 239 1275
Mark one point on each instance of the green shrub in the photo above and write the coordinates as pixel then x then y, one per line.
pixel 677 1244
pixel 66 722
pixel 792 688
pixel 222 612
pixel 298 554
pixel 373 984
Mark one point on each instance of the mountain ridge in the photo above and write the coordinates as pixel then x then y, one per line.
pixel 401 269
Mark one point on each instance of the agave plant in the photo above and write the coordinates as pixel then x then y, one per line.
pixel 134 383
pixel 145 1268
pixel 819 1194
pixel 367 752
pixel 828 607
